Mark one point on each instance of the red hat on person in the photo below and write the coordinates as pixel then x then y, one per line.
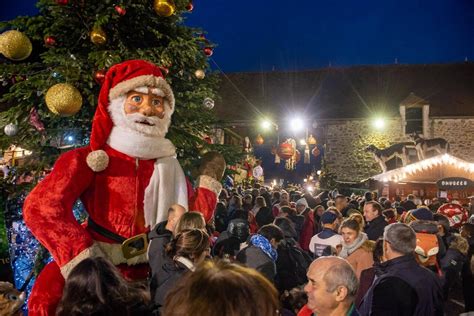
pixel 119 80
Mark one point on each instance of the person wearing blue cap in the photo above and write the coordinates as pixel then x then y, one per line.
pixel 327 241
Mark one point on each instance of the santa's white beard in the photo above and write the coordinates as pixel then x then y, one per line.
pixel 155 126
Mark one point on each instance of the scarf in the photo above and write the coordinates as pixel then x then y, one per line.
pixel 167 184
pixel 263 243
pixel 348 249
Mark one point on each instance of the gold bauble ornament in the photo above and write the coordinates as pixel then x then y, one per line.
pixel 98 36
pixel 164 7
pixel 15 45
pixel 63 99
pixel 200 74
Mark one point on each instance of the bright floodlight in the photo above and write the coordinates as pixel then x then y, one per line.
pixel 296 124
pixel 318 172
pixel 302 142
pixel 379 123
pixel 310 188
pixel 266 124
pixel 70 138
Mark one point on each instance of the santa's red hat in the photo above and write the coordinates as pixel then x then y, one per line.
pixel 119 80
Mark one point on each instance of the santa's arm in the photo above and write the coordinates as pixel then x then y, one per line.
pixel 208 186
pixel 48 211
pixel 205 196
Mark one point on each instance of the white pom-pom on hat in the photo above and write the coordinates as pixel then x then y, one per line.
pixel 97 160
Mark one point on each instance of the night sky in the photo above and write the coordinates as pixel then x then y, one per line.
pixel 256 35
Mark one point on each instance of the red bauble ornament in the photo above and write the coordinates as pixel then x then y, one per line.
pixel 286 151
pixel 315 152
pixel 99 76
pixel 120 10
pixel 190 7
pixel 62 2
pixel 50 41
pixel 208 51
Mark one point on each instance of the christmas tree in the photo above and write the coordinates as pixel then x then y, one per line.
pixel 51 69
pixel 54 62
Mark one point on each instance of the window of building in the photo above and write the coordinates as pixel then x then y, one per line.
pixel 414 120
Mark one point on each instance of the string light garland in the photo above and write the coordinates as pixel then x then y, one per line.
pixel 402 173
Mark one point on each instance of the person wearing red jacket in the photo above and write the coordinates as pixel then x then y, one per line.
pixel 127 178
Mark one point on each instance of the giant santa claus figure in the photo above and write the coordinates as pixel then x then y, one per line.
pixel 127 178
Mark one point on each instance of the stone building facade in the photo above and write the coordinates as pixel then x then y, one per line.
pixel 346 139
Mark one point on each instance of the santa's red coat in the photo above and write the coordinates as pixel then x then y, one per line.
pixel 113 198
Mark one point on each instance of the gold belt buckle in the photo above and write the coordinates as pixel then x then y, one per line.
pixel 135 246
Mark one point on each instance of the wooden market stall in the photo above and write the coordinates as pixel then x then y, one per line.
pixel 438 176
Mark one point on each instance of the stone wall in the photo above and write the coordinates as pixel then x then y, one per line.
pixel 346 140
pixel 458 132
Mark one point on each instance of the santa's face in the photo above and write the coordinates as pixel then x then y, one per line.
pixel 143 110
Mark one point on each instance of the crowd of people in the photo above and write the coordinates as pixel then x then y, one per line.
pixel 281 252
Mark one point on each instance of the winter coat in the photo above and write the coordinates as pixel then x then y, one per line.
pixel 291 265
pixel 226 245
pixel 404 288
pixel 366 279
pixel 298 220
pixel 452 263
pixel 254 257
pixel 159 238
pixel 166 278
pixel 311 227
pixel 362 258
pixel 468 278
pixel 375 228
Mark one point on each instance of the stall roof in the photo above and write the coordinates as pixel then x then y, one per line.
pixel 430 170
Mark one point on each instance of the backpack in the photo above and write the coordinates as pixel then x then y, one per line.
pixel 426 250
pixel 293 268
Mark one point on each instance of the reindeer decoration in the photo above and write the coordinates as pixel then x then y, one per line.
pixel 383 155
pixel 423 146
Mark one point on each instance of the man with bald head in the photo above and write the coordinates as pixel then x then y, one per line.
pixel 331 288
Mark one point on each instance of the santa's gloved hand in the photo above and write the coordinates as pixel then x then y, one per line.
pixel 213 165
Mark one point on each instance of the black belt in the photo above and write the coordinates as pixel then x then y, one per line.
pixel 131 247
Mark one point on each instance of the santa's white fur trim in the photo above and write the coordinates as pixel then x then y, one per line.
pixel 114 253
pixel 209 183
pixel 91 252
pixel 97 160
pixel 143 81
pixel 154 91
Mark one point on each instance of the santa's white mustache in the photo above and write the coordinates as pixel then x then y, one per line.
pixel 142 119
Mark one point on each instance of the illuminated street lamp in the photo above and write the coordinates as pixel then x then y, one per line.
pixel 379 123
pixel 266 124
pixel 296 124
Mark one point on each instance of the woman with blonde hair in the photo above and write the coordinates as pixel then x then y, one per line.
pixel 220 288
pixel 356 248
